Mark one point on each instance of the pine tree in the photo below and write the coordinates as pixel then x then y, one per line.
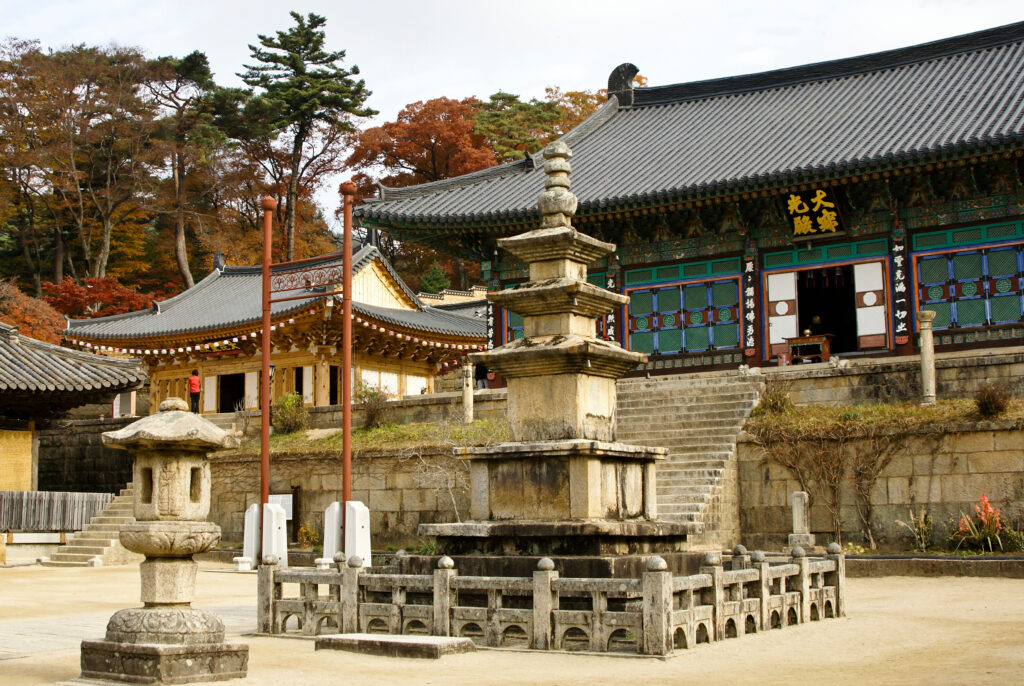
pixel 435 280
pixel 303 86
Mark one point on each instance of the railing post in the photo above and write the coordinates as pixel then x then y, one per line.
pixel 765 584
pixel 835 553
pixel 443 597
pixel 267 593
pixel 657 615
pixel 310 594
pixel 350 595
pixel 800 558
pixel 740 559
pixel 713 566
pixel 543 604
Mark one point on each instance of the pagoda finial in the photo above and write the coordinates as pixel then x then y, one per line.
pixel 557 203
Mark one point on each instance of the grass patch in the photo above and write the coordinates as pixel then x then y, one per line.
pixel 811 421
pixel 388 437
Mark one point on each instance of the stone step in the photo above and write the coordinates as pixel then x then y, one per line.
pixel 62 556
pixel 696 463
pixel 683 491
pixel 102 529
pixel 50 562
pixel 680 508
pixel 650 399
pixel 75 549
pixel 104 519
pixel 90 541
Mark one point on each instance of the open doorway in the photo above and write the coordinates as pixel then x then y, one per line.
pixel 827 304
pixel 230 392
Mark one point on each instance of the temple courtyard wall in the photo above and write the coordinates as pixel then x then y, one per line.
pixel 411 487
pixel 942 471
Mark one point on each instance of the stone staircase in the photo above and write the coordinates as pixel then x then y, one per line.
pixel 97 544
pixel 698 418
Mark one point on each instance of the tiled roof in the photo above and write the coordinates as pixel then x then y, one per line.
pixel 950 98
pixel 38 376
pixel 233 297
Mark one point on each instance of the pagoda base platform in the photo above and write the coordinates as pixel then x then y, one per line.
pixel 599 548
pixel 110 661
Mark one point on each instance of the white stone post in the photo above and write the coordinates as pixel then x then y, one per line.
pixel 801 535
pixel 250 540
pixel 467 392
pixel 443 596
pixel 925 319
pixel 332 536
pixel 544 603
pixel 657 589
pixel 275 533
pixel 357 532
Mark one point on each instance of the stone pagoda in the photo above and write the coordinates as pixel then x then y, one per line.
pixel 563 487
pixel 167 640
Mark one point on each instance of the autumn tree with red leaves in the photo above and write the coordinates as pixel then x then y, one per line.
pixel 34 318
pixel 94 298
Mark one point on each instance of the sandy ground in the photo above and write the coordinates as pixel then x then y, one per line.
pixel 900 630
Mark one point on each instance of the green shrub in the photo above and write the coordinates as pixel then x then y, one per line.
pixel 289 415
pixel 374 403
pixel 992 400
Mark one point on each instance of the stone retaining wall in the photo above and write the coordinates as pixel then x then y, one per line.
pixel 945 471
pixel 72 456
pixel 892 380
pixel 403 489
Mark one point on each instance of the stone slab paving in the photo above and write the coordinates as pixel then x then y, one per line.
pixel 26 637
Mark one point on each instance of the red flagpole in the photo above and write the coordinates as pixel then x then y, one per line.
pixel 268 205
pixel 348 191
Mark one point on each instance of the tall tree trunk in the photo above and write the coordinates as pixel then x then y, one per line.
pixel 99 267
pixel 180 252
pixel 58 254
pixel 293 192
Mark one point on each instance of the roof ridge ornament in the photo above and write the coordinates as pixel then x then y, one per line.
pixel 557 204
pixel 620 82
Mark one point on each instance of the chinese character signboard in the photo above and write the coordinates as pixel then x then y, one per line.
pixel 490 325
pixel 609 319
pixel 901 303
pixel 749 284
pixel 813 213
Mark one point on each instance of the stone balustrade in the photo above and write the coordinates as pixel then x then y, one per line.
pixel 655 614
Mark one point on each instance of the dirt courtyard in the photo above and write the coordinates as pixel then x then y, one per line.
pixel 900 630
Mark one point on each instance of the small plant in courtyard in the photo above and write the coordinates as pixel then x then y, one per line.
pixel 984 531
pixel 289 415
pixel 920 528
pixel 775 398
pixel 992 400
pixel 307 536
pixel 374 403
pixel 427 547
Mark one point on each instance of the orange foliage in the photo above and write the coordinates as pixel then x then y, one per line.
pixel 34 318
pixel 429 141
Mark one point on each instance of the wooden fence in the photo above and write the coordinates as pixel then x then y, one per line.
pixel 653 615
pixel 39 511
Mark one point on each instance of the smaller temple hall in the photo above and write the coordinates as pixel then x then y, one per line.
pixel 399 343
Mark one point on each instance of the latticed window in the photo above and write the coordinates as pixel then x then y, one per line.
pixel 685 318
pixel 513 327
pixel 973 287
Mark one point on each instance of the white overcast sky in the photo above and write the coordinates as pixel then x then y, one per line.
pixel 408 50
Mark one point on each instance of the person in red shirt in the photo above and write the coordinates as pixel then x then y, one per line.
pixel 194 389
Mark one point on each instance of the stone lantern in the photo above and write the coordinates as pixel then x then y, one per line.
pixel 167 640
